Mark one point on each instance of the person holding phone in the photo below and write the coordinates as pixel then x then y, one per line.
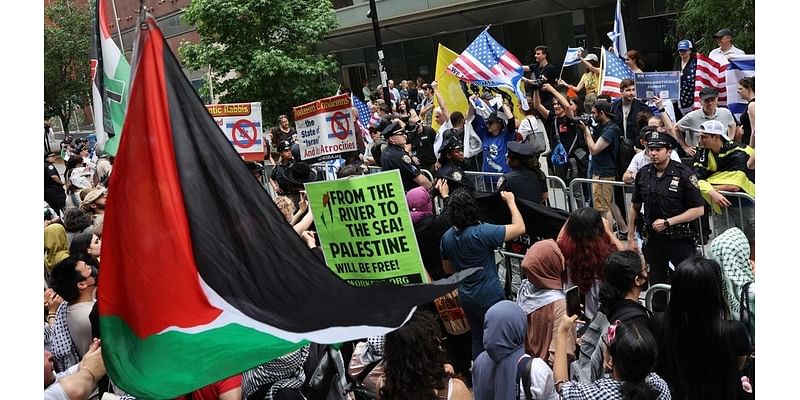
pixel 542 299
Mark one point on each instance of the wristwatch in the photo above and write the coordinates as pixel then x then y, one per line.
pixel 662 109
pixel 666 223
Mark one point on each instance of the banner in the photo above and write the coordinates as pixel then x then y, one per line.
pixel 241 125
pixel 665 85
pixel 325 128
pixel 365 229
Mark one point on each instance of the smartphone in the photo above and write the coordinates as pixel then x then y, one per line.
pixel 574 302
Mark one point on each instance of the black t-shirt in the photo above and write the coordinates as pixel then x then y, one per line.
pixel 277 135
pixel 549 71
pixel 674 192
pixel 422 144
pixel 567 131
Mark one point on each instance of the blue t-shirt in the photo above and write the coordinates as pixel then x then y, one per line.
pixel 494 147
pixel 604 164
pixel 474 247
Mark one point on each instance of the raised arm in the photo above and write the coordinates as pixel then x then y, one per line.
pixel 440 99
pixel 561 99
pixel 517 226
pixel 537 103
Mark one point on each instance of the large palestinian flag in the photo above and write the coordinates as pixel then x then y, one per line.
pixel 111 74
pixel 202 278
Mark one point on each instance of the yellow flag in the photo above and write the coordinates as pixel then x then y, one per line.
pixel 450 88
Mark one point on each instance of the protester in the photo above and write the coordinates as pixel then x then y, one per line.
pixel 280 379
pixel 586 240
pixel 95 202
pixel 56 247
pixel 413 363
pixel 495 373
pixel 721 165
pixel 726 49
pixel 470 243
pixel 603 144
pixel 544 71
pixel 686 64
pixel 75 281
pixel 731 251
pixel 86 247
pixel 282 132
pixel 78 382
pixel 701 350
pixel 630 357
pixel 687 129
pixel 633 59
pixel 541 297
pixel 747 92
pixel 625 274
pixel 590 80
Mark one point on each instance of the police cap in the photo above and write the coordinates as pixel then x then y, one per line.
pixel 658 139
pixel 520 149
pixel 450 144
pixel 392 129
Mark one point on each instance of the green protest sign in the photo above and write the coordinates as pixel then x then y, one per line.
pixel 365 229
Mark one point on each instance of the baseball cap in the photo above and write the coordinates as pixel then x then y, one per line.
pixel 723 32
pixel 392 129
pixel 714 128
pixel 93 196
pixel 708 92
pixel 685 45
pixel 657 140
pixel 493 117
pixel 591 57
pixel 605 107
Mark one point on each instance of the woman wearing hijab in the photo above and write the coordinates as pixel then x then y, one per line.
pixel 541 297
pixel 494 374
pixel 56 248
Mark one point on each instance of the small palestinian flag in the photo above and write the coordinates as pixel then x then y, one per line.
pixel 111 75
pixel 202 276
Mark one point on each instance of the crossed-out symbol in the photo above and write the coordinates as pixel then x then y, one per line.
pixel 242 129
pixel 339 129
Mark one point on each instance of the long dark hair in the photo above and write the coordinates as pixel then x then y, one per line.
pixel 619 270
pixel 463 209
pixel 634 352
pixel 696 357
pixel 413 360
pixel 79 249
pixel 585 247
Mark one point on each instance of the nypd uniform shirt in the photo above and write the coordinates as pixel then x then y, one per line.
pixel 49 171
pixel 671 194
pixel 394 157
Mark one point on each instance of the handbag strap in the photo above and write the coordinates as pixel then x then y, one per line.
pixel 573 144
pixel 524 373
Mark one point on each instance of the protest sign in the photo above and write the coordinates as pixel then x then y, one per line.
pixel 241 125
pixel 325 128
pixel 665 85
pixel 365 229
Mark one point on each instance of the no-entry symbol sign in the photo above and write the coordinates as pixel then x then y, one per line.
pixel 244 133
pixel 340 125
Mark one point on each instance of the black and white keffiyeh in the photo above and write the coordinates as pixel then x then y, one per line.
pixel 283 372
pixel 64 352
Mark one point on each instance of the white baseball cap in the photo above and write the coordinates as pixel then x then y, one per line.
pixel 714 128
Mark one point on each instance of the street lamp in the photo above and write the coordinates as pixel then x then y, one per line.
pixel 376 29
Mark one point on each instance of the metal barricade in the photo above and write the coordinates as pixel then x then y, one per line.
pixel 651 292
pixel 374 169
pixel 584 181
pixel 558 200
pixel 484 181
pixel 427 174
pixel 741 214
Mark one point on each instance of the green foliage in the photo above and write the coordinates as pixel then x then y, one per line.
pixel 269 46
pixel 67 39
pixel 699 20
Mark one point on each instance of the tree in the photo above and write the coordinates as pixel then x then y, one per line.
pixel 67 39
pixel 699 20
pixel 268 45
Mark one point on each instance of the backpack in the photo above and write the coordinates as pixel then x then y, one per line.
pixel 524 373
pixel 625 153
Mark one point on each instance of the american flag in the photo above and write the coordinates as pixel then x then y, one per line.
pixel 614 71
pixel 709 73
pixel 363 111
pixel 486 63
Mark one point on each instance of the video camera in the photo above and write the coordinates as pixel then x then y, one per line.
pixel 585 119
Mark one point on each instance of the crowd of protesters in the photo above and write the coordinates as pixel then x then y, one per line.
pixel 530 343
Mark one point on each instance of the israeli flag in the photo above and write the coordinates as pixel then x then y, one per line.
pixel 617 36
pixel 739 67
pixel 572 57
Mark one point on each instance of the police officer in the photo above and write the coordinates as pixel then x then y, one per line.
pixel 671 197
pixel 525 180
pixel 396 157
pixel 276 179
pixel 452 163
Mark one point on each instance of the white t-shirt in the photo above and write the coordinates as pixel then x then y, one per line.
pixel 528 126
pixel 722 56
pixel 437 142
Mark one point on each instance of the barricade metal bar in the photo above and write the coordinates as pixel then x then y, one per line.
pixel 578 181
pixel 726 212
pixel 427 174
pixel 482 184
pixel 553 183
pixel 650 293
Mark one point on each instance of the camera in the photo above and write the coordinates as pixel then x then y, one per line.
pixel 585 119
pixel 538 82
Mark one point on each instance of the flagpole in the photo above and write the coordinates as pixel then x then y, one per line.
pixel 211 85
pixel 562 71
pixel 116 22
